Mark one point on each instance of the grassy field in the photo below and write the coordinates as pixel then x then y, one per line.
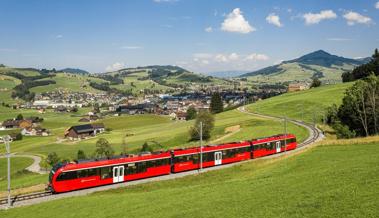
pixel 140 128
pixel 19 177
pixel 302 105
pixel 132 82
pixel 69 82
pixel 326 181
pixel 150 128
pixel 296 72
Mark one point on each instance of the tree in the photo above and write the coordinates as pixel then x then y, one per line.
pixel 19 117
pixel 146 148
pixel 208 124
pixel 81 155
pixel 52 159
pixel 360 107
pixel 103 149
pixel 315 83
pixel 191 113
pixel 216 103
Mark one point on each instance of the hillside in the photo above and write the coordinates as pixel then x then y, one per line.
pixel 302 105
pixel 167 76
pixel 140 80
pixel 74 71
pixel 318 64
pixel 327 180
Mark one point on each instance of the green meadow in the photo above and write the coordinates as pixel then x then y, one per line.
pixel 325 181
pixel 303 105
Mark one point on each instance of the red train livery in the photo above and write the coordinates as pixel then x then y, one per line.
pixel 90 173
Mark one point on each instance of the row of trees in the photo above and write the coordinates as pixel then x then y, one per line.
pixel 364 70
pixel 358 115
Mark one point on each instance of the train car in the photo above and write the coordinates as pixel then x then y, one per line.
pixel 86 174
pixel 272 145
pixel 213 155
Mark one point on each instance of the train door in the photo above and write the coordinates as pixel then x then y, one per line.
pixel 118 174
pixel 218 158
pixel 277 146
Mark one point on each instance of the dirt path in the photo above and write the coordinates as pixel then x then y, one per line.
pixel 34 167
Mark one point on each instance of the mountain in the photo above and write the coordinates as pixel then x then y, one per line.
pixel 226 74
pixel 74 71
pixel 319 64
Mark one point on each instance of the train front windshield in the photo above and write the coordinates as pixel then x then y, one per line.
pixel 54 169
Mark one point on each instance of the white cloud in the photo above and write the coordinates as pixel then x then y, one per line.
pixel 233 57
pixel 311 18
pixel 256 57
pixel 59 36
pixel 353 18
pixel 131 47
pixel 115 66
pixel 208 29
pixel 235 22
pixel 274 19
pixel 221 58
pixel 377 5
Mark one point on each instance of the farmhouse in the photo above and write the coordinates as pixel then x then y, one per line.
pixel 293 87
pixel 84 131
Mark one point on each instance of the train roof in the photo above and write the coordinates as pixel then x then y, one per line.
pixel 93 163
pixel 206 148
pixel 274 137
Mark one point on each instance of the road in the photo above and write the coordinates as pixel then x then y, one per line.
pixel 314 135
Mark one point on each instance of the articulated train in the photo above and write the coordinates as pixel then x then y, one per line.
pixel 66 177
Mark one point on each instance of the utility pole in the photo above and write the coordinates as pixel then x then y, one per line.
pixel 201 146
pixel 8 150
pixel 285 134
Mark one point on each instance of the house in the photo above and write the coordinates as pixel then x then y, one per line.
pixel 35 132
pixel 181 116
pixel 84 131
pixel 23 124
pixel 98 128
pixel 293 87
pixel 9 124
pixel 84 120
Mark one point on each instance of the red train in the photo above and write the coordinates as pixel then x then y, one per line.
pixel 90 173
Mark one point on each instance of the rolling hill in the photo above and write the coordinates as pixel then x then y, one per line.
pixel 319 64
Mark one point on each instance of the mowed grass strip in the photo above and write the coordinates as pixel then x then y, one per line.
pixel 326 181
pixel 302 105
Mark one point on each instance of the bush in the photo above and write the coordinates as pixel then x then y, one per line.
pixel 343 131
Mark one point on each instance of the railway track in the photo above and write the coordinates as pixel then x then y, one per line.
pixel 315 134
pixel 25 197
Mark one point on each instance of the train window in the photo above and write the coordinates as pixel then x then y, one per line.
pixel 141 167
pixel 82 173
pixel 195 158
pixel 67 176
pixel 93 172
pixel 106 172
pixel 131 168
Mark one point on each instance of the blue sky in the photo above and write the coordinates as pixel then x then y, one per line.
pixel 203 36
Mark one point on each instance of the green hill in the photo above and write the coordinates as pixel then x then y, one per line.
pixel 319 64
pixel 302 105
pixel 328 181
